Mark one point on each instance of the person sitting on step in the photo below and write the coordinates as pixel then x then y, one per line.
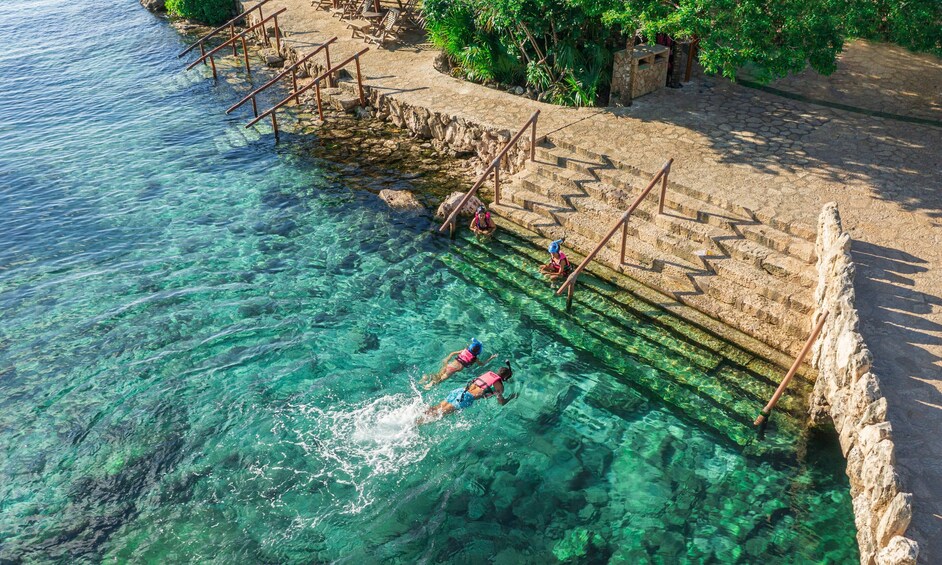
pixel 482 224
pixel 559 265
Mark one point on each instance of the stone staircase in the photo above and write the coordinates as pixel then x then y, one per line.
pixel 707 252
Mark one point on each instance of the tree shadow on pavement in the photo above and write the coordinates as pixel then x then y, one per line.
pixel 897 331
pixel 899 161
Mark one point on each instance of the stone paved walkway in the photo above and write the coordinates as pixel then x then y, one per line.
pixel 782 157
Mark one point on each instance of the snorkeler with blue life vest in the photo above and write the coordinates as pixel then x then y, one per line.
pixel 457 361
pixel 482 224
pixel 487 385
pixel 559 265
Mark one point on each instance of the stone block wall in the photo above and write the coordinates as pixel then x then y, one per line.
pixel 849 392
pixel 648 62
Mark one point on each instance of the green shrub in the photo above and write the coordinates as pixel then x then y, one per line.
pixel 209 12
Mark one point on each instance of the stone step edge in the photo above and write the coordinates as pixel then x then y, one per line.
pixel 608 175
pixel 689 314
pixel 644 231
pixel 770 217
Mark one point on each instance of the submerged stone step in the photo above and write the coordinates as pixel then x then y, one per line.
pixel 602 326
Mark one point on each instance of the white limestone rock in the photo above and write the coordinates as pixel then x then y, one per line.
pixel 453 199
pixel 900 551
pixel 895 518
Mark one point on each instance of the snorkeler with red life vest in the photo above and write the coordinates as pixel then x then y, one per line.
pixel 559 265
pixel 487 385
pixel 457 361
pixel 482 224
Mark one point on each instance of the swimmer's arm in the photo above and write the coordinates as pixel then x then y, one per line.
pixel 483 363
pixel 501 399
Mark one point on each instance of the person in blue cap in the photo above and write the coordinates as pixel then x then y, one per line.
pixel 559 265
pixel 457 361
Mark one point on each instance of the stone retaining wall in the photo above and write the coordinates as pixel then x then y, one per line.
pixel 848 391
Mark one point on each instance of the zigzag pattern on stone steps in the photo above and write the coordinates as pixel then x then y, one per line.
pixel 706 252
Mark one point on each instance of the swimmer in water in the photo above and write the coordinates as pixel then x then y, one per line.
pixel 456 361
pixel 487 385
pixel 482 224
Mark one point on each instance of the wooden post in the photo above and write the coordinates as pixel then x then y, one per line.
pixel 274 125
pixel 569 293
pixel 203 52
pixel 294 82
pixel 245 55
pixel 497 183
pixel 624 240
pixel 277 36
pixel 660 206
pixel 231 36
pixel 533 142
pixel 317 92
pixel 451 229
pixel 212 63
pixel 330 79
pixel 264 32
pixel 254 107
pixel 359 81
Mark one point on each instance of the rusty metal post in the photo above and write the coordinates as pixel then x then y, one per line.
pixel 212 63
pixel 359 81
pixel 231 36
pixel 660 206
pixel 533 142
pixel 254 107
pixel 245 55
pixel 277 37
pixel 330 79
pixel 294 82
pixel 317 92
pixel 624 240
pixel 274 124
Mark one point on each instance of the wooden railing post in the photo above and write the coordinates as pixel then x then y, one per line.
pixel 317 95
pixel 202 40
pixel 624 240
pixel 660 206
pixel 360 81
pixel 277 37
pixel 232 36
pixel 294 85
pixel 212 63
pixel 274 125
pixel 265 39
pixel 245 55
pixel 533 141
pixel 767 411
pixel 497 182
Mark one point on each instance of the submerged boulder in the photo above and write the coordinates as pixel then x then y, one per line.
pixel 400 199
pixel 453 199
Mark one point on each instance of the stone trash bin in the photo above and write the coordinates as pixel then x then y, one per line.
pixel 650 64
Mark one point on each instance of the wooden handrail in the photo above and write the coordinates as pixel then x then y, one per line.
pixel 767 411
pixel 623 221
pixel 201 40
pixel 314 83
pixel 232 39
pixel 495 164
pixel 330 71
pixel 284 73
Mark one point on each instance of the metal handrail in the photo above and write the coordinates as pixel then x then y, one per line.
pixel 200 41
pixel 292 69
pixel 766 412
pixel 621 223
pixel 495 166
pixel 240 35
pixel 314 83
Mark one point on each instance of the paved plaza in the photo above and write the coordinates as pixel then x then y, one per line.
pixel 778 156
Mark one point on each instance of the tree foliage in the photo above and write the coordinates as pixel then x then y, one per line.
pixel 564 47
pixel 209 12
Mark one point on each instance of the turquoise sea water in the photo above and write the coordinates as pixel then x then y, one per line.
pixel 209 350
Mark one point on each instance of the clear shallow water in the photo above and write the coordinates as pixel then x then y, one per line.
pixel 209 348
